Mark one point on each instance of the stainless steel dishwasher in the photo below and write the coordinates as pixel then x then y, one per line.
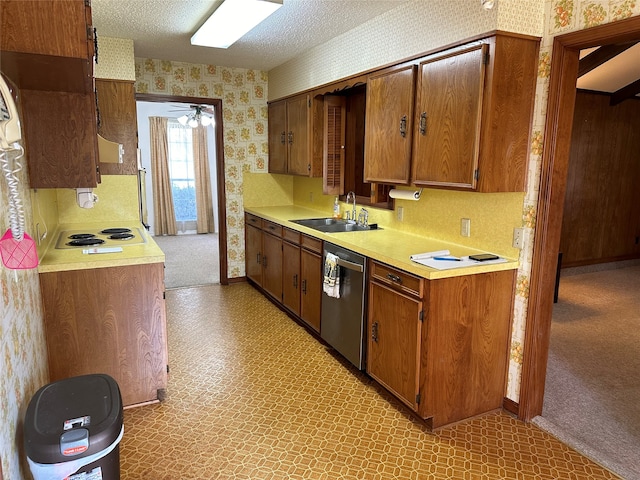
pixel 343 319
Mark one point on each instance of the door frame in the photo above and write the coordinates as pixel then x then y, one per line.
pixel 220 183
pixel 553 180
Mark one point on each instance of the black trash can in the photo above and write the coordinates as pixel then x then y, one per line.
pixel 73 428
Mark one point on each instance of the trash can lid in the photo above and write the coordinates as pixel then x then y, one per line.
pixel 88 403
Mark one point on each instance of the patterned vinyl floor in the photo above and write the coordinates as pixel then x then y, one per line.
pixel 252 395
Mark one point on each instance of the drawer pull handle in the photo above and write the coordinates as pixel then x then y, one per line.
pixel 423 123
pixel 394 278
pixel 374 332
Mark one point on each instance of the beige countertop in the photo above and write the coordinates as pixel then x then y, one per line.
pixel 389 246
pixel 58 260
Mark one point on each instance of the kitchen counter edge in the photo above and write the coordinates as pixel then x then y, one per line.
pixel 386 245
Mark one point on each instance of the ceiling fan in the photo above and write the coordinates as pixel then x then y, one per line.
pixel 198 115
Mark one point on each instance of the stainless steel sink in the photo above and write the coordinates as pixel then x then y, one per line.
pixel 332 225
pixel 318 222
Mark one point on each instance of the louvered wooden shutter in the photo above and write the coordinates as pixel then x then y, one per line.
pixel 333 145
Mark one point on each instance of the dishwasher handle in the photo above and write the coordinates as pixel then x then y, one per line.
pixel 350 265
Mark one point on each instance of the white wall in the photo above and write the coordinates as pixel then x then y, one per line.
pixel 161 109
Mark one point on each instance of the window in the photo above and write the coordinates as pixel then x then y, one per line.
pixel 181 171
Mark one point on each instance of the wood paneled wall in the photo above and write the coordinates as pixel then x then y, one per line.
pixel 601 221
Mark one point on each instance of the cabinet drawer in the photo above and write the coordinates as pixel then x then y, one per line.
pixel 310 243
pixel 253 220
pixel 291 236
pixel 398 279
pixel 272 228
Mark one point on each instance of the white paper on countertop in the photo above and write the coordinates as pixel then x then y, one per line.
pixel 416 257
pixel 448 264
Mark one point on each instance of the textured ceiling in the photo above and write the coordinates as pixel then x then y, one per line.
pixel 161 29
pixel 614 74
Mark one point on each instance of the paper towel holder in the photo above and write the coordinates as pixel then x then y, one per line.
pixel 405 194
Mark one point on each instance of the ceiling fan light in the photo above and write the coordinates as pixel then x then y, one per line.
pixel 206 120
pixel 183 119
pixel 193 122
pixel 232 20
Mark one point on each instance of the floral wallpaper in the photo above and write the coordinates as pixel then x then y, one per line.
pixel 244 102
pixel 23 354
pixel 561 16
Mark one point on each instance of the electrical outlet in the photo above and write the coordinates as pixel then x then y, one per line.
pixel 518 237
pixel 465 227
pixel 400 213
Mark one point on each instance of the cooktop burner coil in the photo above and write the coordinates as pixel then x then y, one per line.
pixel 79 236
pixel 110 231
pixel 85 242
pixel 121 236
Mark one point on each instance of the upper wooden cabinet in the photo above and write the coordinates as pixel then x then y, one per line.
pixel 48 45
pixel 292 140
pixel 448 109
pixel 469 126
pixel 46 27
pixel 47 50
pixel 388 121
pixel 118 123
pixel 60 139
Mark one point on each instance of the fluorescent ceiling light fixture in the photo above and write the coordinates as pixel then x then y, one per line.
pixel 232 20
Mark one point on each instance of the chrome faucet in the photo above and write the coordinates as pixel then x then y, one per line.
pixel 353 210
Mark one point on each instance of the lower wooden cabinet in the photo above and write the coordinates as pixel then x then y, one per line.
pixel 287 265
pixel 441 346
pixel 108 320
pixel 395 326
pixel 311 274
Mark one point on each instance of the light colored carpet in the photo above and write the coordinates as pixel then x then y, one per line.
pixel 593 383
pixel 190 259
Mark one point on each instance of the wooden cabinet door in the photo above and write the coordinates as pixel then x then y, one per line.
pixel 278 145
pixel 388 126
pixel 394 335
pixel 61 145
pixel 333 144
pixel 46 27
pixel 448 116
pixel 272 265
pixel 311 294
pixel 108 320
pixel 118 123
pixel 298 138
pixel 253 253
pixel 291 277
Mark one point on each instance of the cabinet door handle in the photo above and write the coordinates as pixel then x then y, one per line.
pixel 258 259
pixel 295 281
pixel 283 138
pixel 423 123
pixel 290 138
pixel 304 287
pixel 394 278
pixel 403 126
pixel 264 261
pixel 374 332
